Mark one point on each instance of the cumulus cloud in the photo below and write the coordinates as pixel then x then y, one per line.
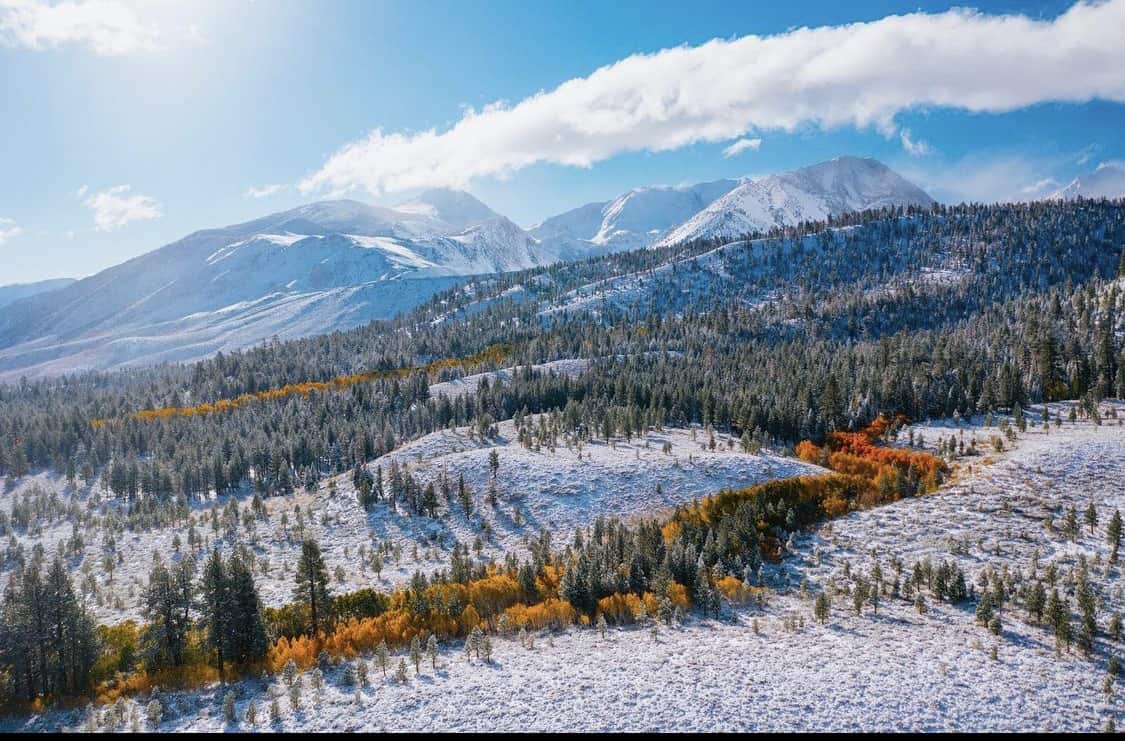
pixel 8 229
pixel 115 207
pixel 860 75
pixel 107 27
pixel 741 146
pixel 915 147
pixel 264 191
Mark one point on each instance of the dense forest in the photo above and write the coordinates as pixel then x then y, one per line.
pixel 779 337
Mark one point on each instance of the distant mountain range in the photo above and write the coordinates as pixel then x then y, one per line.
pixel 336 264
pixel 14 292
pixel 1107 181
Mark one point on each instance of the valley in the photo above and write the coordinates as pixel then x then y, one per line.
pixel 888 668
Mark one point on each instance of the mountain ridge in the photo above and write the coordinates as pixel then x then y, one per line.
pixel 334 264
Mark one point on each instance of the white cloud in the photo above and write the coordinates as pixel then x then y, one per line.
pixel 115 207
pixel 914 147
pixel 107 27
pixel 8 230
pixel 264 191
pixel 741 146
pixel 859 75
pixel 82 190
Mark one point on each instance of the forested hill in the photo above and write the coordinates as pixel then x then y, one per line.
pixel 786 335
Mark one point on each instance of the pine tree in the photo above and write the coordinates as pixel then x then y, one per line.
pixel 217 607
pixel 416 654
pixel 361 672
pixel 228 707
pixel 295 693
pixel 1087 606
pixel 312 585
pixel 1091 517
pixel 47 640
pixel 821 608
pixel 432 651
pixel 859 596
pixel 167 607
pixel 1113 535
pixel 1036 601
pixel 984 608
pixel 382 657
pixel 400 672
pixel 486 649
pixel 1070 524
pixel 154 711
pixel 247 639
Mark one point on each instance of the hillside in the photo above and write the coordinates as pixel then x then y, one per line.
pixel 891 668
pixel 335 265
pixel 559 445
pixel 16 291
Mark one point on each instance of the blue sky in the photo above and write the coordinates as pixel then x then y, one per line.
pixel 132 125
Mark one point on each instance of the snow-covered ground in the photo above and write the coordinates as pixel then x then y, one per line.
pixel 571 367
pixel 556 490
pixel 897 670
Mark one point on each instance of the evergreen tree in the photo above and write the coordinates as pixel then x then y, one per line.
pixel 312 585
pixel 432 651
pixel 416 654
pixel 1091 517
pixel 217 607
pixel 1113 535
pixel 47 640
pixel 167 606
pixel 382 656
pixel 247 638
pixel 821 608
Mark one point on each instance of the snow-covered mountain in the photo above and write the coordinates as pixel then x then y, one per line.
pixel 809 194
pixel 1108 181
pixel 336 264
pixel 316 268
pixel 634 219
pixel 15 291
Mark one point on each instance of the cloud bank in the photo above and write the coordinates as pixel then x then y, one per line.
pixel 115 207
pixel 107 27
pixel 861 75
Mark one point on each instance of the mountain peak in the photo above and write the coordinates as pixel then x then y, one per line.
pixel 811 193
pixel 456 208
pixel 1106 181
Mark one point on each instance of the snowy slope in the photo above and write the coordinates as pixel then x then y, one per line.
pixel 555 490
pixel 313 269
pixel 897 670
pixel 809 194
pixel 14 292
pixel 632 220
pixel 332 265
pixel 1107 181
pixel 454 208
